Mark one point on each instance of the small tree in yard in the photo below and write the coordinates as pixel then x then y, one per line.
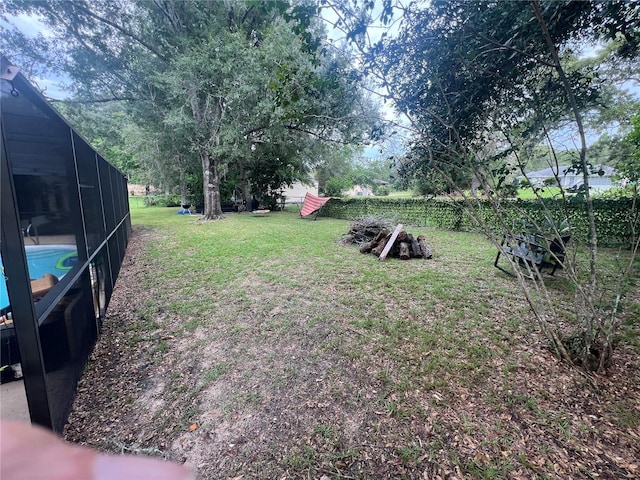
pixel 483 84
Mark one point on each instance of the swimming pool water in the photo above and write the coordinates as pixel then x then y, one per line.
pixel 41 259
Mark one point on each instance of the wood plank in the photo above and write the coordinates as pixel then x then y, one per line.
pixel 390 243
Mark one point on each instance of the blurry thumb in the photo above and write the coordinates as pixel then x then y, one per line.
pixel 125 467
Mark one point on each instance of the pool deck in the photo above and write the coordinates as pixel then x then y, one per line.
pixel 13 402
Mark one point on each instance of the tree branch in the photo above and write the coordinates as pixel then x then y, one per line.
pixel 318 135
pixel 97 100
pixel 123 30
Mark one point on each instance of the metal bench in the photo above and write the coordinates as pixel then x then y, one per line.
pixel 533 250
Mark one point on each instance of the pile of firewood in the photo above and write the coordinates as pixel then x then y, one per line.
pixel 376 237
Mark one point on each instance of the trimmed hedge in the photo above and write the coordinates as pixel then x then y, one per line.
pixel 614 218
pixel 162 201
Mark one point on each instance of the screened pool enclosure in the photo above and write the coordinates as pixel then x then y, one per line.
pixel 65 227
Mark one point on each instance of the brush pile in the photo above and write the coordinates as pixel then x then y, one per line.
pixel 365 229
pixel 374 235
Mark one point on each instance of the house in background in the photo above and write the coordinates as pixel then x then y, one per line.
pixel 297 192
pixel 359 190
pixel 569 180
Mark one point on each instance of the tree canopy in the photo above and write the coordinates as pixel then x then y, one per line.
pixel 466 72
pixel 246 83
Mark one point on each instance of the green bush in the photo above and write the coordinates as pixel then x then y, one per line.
pixel 627 192
pixel 382 191
pixel 614 218
pixel 335 186
pixel 162 201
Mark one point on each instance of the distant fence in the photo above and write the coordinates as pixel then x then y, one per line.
pixel 615 219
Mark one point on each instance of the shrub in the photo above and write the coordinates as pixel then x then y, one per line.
pixel 334 187
pixel 382 191
pixel 615 218
pixel 627 192
pixel 162 201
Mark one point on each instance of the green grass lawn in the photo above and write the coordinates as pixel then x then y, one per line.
pixel 401 194
pixel 262 347
pixel 546 192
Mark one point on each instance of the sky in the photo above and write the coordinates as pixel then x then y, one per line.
pixel 31 26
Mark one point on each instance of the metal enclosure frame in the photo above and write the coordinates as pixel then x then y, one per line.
pixel 50 175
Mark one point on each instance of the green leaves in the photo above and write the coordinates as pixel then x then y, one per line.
pixel 630 166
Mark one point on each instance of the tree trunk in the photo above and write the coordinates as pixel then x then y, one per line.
pixel 208 113
pixel 211 187
pixel 404 251
pixel 475 184
pixel 244 183
pixel 183 187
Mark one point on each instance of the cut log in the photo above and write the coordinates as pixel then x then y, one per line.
pixel 415 248
pixel 367 247
pixel 424 248
pixel 381 234
pixel 390 243
pixel 378 249
pixel 376 239
pixel 404 251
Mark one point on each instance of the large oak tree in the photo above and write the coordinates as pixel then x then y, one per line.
pixel 228 75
